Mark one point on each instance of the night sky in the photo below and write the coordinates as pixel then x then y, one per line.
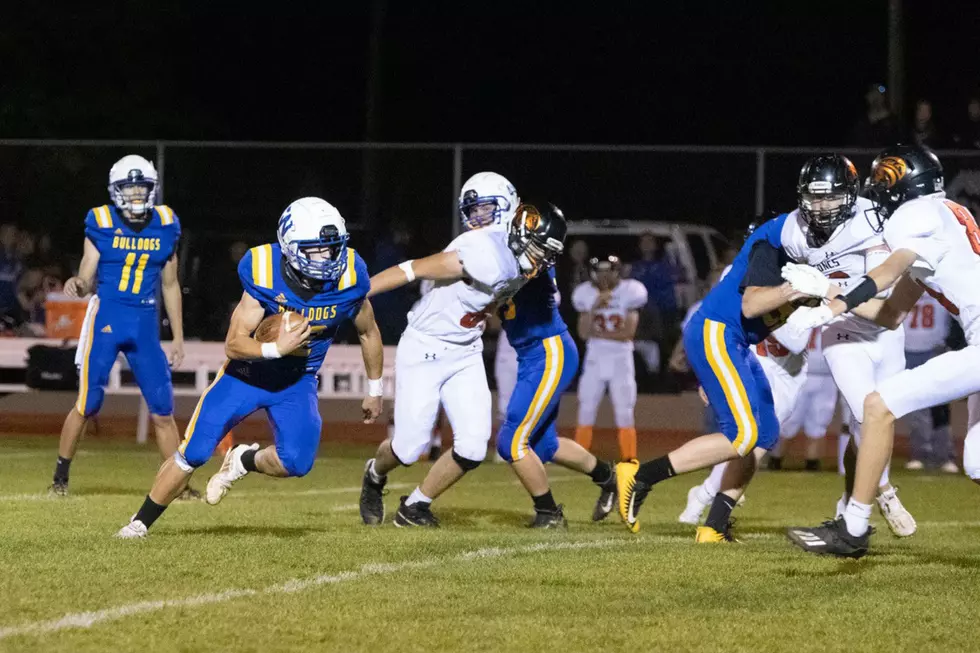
pixel 774 73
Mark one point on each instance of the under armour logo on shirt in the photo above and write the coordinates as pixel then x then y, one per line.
pixel 430 357
pixel 843 336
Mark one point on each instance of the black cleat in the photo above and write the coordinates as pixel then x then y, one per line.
pixel 775 463
pixel 372 498
pixel 59 488
pixel 549 519
pixel 417 514
pixel 607 498
pixel 830 538
pixel 812 465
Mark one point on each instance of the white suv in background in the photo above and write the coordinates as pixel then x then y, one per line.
pixel 697 248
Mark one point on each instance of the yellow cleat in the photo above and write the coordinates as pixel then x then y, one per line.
pixel 629 496
pixel 708 535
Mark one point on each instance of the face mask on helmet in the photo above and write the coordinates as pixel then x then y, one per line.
pixel 479 212
pixel 605 271
pixel 323 258
pixel 534 249
pixel 134 195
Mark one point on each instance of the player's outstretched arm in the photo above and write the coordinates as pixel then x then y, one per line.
pixel 372 349
pixel 890 313
pixel 444 266
pixel 173 302
pixel 239 343
pixel 82 283
pixel 759 300
pixel 876 281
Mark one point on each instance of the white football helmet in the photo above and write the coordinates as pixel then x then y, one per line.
pixel 314 224
pixel 127 173
pixel 486 189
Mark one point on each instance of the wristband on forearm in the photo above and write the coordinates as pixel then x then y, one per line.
pixel 861 293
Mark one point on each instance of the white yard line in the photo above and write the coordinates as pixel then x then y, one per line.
pixel 89 619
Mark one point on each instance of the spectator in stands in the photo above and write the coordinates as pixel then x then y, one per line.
pixel 967 136
pixel 391 309
pixel 657 330
pixel 45 259
pixel 877 127
pixel 11 268
pixel 923 127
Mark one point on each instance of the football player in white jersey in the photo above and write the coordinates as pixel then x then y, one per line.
pixel 609 311
pixel 834 230
pixel 926 330
pixel 814 410
pixel 440 354
pixel 935 247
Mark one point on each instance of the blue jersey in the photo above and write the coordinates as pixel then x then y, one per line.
pixel 263 277
pixel 724 302
pixel 131 260
pixel 532 314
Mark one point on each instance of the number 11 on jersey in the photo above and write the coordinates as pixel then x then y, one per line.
pixel 127 268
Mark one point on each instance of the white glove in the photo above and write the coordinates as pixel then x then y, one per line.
pixel 806 318
pixel 807 280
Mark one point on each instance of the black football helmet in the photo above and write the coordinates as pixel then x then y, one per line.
pixel 609 263
pixel 537 238
pixel 902 173
pixel 826 177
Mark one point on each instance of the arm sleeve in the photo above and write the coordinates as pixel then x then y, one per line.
pixel 582 299
pixel 245 275
pixel 794 340
pixel 637 297
pixel 764 268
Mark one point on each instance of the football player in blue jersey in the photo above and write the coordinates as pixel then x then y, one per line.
pixel 744 308
pixel 130 254
pixel 547 359
pixel 313 277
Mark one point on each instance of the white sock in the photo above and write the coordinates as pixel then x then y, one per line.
pixel 842 441
pixel 856 517
pixel 712 484
pixel 417 497
pixel 375 476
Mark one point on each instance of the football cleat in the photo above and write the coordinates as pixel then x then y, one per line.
pixel 915 465
pixel 708 535
pixel 812 465
pixel 59 489
pixel 372 498
pixel 631 492
pixel 607 498
pixel 417 514
pixel 949 467
pixel 549 519
pixel 231 470
pixel 899 520
pixel 830 538
pixel 695 508
pixel 132 531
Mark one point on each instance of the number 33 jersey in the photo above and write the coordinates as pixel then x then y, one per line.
pixel 130 260
pixel 455 312
pixel 628 295
pixel 946 241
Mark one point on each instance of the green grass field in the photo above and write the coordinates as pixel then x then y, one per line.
pixel 285 565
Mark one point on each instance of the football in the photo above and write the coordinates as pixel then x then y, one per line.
pixel 268 329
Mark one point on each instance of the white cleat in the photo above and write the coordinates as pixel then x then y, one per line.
pixel 915 465
pixel 695 507
pixel 134 530
pixel 899 520
pixel 231 470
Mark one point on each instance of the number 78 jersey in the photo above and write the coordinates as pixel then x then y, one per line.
pixel 130 261
pixel 946 241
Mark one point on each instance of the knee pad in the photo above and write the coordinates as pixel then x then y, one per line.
pixel 503 450
pixel 466 464
pixel 183 464
pixel 93 402
pixel 190 458
pixel 161 401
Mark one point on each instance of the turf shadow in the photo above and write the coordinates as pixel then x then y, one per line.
pixel 245 529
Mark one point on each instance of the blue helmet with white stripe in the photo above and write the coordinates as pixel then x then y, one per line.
pixel 313 238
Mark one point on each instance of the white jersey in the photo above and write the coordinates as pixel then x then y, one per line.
pixel 816 363
pixel 854 248
pixel 926 325
pixel 787 348
pixel 628 295
pixel 455 312
pixel 946 241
